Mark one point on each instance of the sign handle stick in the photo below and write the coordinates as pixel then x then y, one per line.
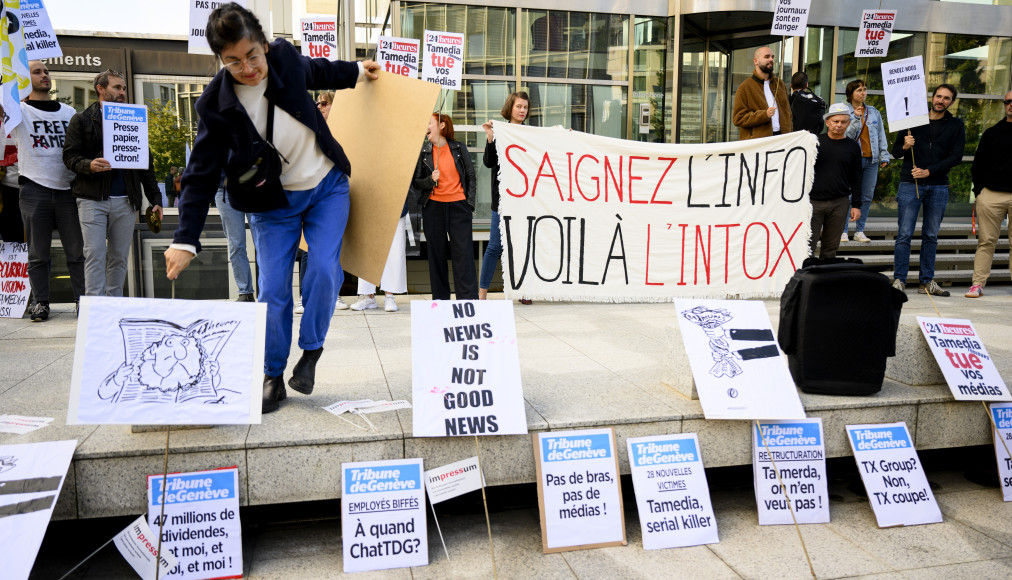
pixel 789 508
pixel 89 557
pixel 165 475
pixel 353 424
pixel 438 529
pixel 484 500
pixel 439 113
pixel 913 163
pixel 996 431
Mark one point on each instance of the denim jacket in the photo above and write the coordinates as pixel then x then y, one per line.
pixel 876 133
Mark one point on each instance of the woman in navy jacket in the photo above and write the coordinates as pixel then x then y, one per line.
pixel 259 82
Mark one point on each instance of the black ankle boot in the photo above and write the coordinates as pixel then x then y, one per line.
pixel 274 393
pixel 304 373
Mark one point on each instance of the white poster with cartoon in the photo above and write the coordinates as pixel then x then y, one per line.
pixel 167 362
pixel 31 477
pixel 739 369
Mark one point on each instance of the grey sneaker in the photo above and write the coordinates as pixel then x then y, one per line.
pixel 899 285
pixel 932 288
pixel 364 302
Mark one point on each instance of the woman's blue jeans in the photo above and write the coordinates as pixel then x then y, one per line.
pixel 493 252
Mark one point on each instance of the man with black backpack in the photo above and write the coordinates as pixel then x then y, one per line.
pixel 806 107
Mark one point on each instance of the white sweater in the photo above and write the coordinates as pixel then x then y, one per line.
pixel 40 137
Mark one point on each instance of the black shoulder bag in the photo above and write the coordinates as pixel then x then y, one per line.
pixel 257 187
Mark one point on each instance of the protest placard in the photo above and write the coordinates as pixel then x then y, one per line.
pixel 905 93
pixel 789 466
pixel 443 59
pixel 31 477
pixel 453 479
pixel 597 219
pixel 1001 413
pixel 874 33
pixel 319 37
pixel 739 370
pixel 790 18
pixel 13 64
pixel 200 10
pixel 14 285
pixel 139 547
pixel 20 424
pixel 40 39
pixel 672 497
pixel 398 55
pixel 167 362
pixel 125 135
pixel 383 515
pixel 963 360
pixel 579 491
pixel 897 487
pixel 465 369
pixel 201 527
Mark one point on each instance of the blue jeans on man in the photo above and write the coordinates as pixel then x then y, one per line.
pixel 233 223
pixel 909 201
pixel 322 214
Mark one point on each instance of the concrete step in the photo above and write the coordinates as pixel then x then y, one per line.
pixel 968 245
pixel 941 260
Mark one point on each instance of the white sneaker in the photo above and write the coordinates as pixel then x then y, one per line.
pixel 298 306
pixel 860 237
pixel 363 303
pixel 340 304
pixel 844 237
pixel 389 304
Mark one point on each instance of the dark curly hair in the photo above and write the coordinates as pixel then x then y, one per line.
pixel 230 23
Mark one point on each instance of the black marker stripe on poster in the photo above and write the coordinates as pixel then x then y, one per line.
pixel 31 485
pixel 27 507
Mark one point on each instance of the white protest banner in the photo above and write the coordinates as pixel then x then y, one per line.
pixel 465 369
pixel 201 528
pixel 13 64
pixel 14 285
pixel 453 479
pixel 739 370
pixel 319 37
pixel 20 424
pixel 963 360
pixel 383 515
pixel 200 10
pixel 791 17
pixel 125 135
pixel 897 487
pixel 874 33
pixel 579 492
pixel 796 452
pixel 382 406
pixel 443 59
pixel 167 362
pixel 1002 415
pixel 398 55
pixel 672 497
pixel 341 407
pixel 905 93
pixel 31 477
pixel 599 219
pixel 40 40
pixel 139 547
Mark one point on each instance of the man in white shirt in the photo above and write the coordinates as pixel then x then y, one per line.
pixel 46 201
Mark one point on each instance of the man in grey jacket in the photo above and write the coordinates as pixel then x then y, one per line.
pixel 108 199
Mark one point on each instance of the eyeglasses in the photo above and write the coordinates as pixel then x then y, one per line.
pixel 237 66
pixel 1007 102
pixel 322 104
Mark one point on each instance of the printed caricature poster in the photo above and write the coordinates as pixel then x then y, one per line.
pixel 167 362
pixel 739 369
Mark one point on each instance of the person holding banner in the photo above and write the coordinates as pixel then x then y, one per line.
pixel 928 153
pixel 514 111
pixel 445 177
pixel 761 107
pixel 45 197
pixel 108 200
pixel 992 183
pixel 866 127
pixel 285 169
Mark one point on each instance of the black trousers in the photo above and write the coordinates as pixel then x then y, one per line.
pixel 45 210
pixel 442 220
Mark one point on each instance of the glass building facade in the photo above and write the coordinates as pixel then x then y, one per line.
pixel 647 70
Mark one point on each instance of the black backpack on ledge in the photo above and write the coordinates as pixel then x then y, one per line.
pixel 838 322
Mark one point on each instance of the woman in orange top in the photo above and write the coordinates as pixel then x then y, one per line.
pixel 445 176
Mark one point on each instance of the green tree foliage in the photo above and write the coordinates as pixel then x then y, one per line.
pixel 166 137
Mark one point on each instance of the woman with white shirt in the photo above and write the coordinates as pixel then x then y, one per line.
pixel 259 123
